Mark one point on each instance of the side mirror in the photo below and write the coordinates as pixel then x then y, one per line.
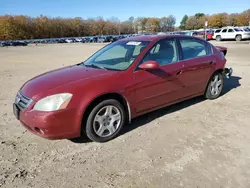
pixel 149 65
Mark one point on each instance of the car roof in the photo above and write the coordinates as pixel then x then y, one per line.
pixel 148 37
pixel 155 37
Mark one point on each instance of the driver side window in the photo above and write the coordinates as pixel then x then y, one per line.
pixel 164 52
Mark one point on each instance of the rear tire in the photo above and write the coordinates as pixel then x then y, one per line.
pixel 102 124
pixel 238 38
pixel 218 38
pixel 215 86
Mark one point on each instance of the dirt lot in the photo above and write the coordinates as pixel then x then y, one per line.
pixel 196 143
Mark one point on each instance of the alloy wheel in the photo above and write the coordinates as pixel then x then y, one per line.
pixel 216 85
pixel 107 120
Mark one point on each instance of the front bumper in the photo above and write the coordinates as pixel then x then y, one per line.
pixel 51 125
pixel 227 72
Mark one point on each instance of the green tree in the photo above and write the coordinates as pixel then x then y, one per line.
pixel 199 15
pixel 183 22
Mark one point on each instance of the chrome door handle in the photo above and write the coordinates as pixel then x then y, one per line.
pixel 179 72
pixel 211 62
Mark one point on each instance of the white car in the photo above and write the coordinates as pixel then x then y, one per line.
pixel 78 39
pixel 69 40
pixel 245 29
pixel 231 33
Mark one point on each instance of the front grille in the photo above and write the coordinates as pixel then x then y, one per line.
pixel 22 101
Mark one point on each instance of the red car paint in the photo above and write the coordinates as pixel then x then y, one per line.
pixel 201 35
pixel 142 91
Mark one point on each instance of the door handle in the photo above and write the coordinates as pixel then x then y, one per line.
pixel 179 72
pixel 211 62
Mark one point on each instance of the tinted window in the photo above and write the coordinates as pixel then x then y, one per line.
pixel 230 30
pixel 236 29
pixel 163 52
pixel 224 30
pixel 217 31
pixel 192 48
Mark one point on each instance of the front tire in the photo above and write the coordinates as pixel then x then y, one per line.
pixel 105 121
pixel 215 86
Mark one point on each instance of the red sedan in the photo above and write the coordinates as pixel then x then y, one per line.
pixel 121 81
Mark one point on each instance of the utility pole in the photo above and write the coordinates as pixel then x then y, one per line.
pixel 205 30
pixel 119 27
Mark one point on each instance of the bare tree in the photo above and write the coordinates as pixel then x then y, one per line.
pixel 24 27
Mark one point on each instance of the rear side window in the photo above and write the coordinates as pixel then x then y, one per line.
pixel 230 30
pixel 193 48
pixel 224 30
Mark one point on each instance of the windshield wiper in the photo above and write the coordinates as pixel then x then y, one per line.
pixel 95 66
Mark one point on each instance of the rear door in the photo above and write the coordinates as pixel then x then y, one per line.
pixel 198 62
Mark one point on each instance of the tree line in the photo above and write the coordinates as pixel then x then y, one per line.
pixel 25 27
pixel 216 20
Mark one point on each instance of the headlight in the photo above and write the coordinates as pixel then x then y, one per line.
pixel 53 102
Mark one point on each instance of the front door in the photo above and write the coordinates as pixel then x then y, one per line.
pixel 159 87
pixel 224 34
pixel 230 33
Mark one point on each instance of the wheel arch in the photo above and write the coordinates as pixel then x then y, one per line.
pixel 220 70
pixel 238 34
pixel 124 102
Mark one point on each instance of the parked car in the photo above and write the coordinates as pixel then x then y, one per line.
pixel 69 40
pixel 5 43
pixel 246 29
pixel 108 39
pixel 113 39
pixel 101 39
pixel 210 34
pixel 61 41
pixel 18 43
pixel 78 39
pixel 93 39
pixel 201 34
pixel 123 80
pixel 231 33
pixel 86 40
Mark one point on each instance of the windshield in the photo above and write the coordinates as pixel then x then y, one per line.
pixel 117 56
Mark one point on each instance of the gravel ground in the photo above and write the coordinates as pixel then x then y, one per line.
pixel 197 143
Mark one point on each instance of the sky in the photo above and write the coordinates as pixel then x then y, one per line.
pixel 121 9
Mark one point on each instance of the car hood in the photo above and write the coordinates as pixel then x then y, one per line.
pixel 59 77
